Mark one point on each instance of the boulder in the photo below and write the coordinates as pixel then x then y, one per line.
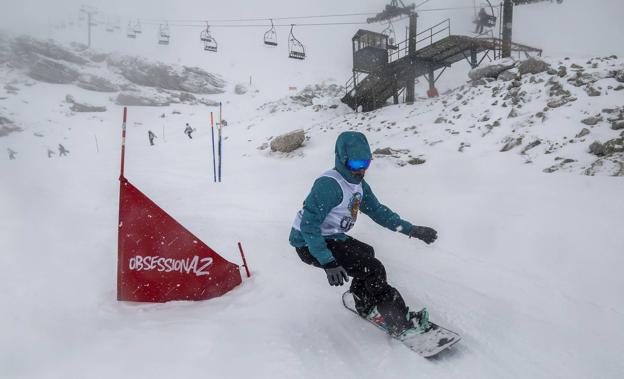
pixel 137 99
pixel 240 89
pixel 28 46
pixel 7 127
pixel 49 71
pixel 507 76
pixel 78 107
pixel 617 125
pixel 288 142
pixel 511 143
pixel 532 66
pixel 591 121
pixel 619 76
pixel 189 79
pixel 491 71
pixel 582 133
pixel 96 83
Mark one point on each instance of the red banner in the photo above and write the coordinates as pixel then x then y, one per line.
pixel 159 260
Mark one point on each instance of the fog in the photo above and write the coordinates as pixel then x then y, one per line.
pixel 583 29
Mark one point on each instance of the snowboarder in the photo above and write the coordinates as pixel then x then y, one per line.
pixel 50 153
pixel 331 210
pixel 188 130
pixel 62 150
pixel 481 21
pixel 11 153
pixel 151 137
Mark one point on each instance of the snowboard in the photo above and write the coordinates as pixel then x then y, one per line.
pixel 428 344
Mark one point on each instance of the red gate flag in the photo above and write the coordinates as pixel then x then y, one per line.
pixel 159 260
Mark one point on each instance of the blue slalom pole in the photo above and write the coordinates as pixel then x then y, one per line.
pixel 219 131
pixel 214 166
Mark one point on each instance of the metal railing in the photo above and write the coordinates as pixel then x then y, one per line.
pixel 424 36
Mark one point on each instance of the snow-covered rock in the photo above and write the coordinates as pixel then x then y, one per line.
pixel 288 142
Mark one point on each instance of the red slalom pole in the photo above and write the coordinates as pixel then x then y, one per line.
pixel 123 142
pixel 240 247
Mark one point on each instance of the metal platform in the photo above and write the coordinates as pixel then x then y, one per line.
pixel 439 50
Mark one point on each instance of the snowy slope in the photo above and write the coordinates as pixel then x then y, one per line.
pixel 527 267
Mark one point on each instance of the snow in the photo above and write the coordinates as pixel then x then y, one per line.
pixel 527 267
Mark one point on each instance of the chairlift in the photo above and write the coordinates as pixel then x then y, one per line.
pixel 210 44
pixel 163 34
pixel 270 37
pixel 486 20
pixel 389 31
pixel 137 27
pixel 296 50
pixel 130 33
pixel 109 26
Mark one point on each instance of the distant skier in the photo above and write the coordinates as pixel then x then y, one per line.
pixel 151 137
pixel 62 150
pixel 189 131
pixel 11 153
pixel 331 210
pixel 481 21
pixel 50 153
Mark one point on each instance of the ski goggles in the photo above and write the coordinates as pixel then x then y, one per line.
pixel 358 164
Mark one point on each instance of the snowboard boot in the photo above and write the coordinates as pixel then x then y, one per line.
pixel 418 324
pixel 362 306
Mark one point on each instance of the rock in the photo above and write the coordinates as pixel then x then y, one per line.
pixel 582 133
pixel 619 76
pixel 513 113
pixel 78 107
pixel 617 125
pixel 240 89
pixel 49 71
pixel 591 91
pixel 69 99
pixel 491 71
pixel 7 127
pixel 133 99
pixel 557 103
pixel 96 83
pixel 597 148
pixel 189 79
pixel 416 161
pixel 532 66
pixel 511 143
pixel 185 97
pixel 530 146
pixel 440 120
pixel 28 47
pixel 208 102
pixel 507 76
pixel 591 121
pixel 562 72
pixel 288 142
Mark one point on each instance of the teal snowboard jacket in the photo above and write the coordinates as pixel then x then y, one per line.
pixel 327 194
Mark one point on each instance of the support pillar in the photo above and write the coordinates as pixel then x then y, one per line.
pixel 474 62
pixel 433 91
pixel 411 79
pixel 507 28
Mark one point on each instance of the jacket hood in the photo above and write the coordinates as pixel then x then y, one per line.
pixel 351 145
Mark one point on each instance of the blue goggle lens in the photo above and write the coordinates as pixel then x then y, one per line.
pixel 358 164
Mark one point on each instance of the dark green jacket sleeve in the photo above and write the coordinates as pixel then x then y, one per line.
pixel 381 214
pixel 325 195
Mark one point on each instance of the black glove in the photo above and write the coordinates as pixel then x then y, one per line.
pixel 424 233
pixel 336 275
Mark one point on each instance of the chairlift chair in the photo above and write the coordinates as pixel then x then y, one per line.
pixel 137 27
pixel 163 34
pixel 389 31
pixel 130 33
pixel 489 20
pixel 210 44
pixel 270 37
pixel 296 50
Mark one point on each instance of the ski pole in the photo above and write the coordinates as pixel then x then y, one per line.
pixel 214 166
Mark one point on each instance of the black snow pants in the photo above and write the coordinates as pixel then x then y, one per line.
pixel 369 285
